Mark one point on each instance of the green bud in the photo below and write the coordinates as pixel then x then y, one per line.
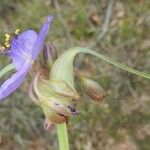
pixel 61 108
pixel 57 108
pixel 62 88
pixel 93 89
pixel 54 117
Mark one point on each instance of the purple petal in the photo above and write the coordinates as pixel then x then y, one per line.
pixel 39 43
pixel 14 81
pixel 21 48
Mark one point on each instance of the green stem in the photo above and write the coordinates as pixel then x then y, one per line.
pixel 119 65
pixel 62 136
pixel 6 69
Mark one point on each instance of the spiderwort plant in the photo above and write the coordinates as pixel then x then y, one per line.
pixel 22 50
pixel 57 95
pixel 53 89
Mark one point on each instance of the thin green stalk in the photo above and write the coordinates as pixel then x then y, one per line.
pixel 6 69
pixel 119 65
pixel 62 136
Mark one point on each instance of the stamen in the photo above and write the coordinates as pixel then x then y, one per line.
pixel 7 37
pixel 2 48
pixel 17 31
pixel 7 44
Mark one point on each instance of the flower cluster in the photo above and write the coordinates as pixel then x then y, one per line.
pixel 56 97
pixel 53 84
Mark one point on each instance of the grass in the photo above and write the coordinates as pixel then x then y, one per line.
pixel 127 96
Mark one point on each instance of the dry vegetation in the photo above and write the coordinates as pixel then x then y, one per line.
pixel 123 121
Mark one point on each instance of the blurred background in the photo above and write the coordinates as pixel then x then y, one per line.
pixel 118 29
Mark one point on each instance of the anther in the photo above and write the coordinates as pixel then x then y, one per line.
pixel 7 44
pixel 7 37
pixel 2 48
pixel 17 31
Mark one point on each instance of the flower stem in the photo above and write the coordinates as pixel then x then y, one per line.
pixel 62 136
pixel 6 69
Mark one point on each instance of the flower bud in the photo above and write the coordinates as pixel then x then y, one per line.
pixel 93 89
pixel 54 117
pixel 57 108
pixel 62 88
pixel 52 114
pixel 61 108
pixel 50 54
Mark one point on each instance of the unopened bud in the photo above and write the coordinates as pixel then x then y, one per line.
pixel 50 54
pixel 61 108
pixel 54 117
pixel 57 108
pixel 93 89
pixel 62 88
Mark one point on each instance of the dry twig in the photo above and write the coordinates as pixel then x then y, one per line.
pixel 106 24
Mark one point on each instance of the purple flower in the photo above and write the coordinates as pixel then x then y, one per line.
pixel 23 51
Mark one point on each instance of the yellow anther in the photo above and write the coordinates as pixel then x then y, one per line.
pixel 7 37
pixel 2 48
pixel 7 44
pixel 17 31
